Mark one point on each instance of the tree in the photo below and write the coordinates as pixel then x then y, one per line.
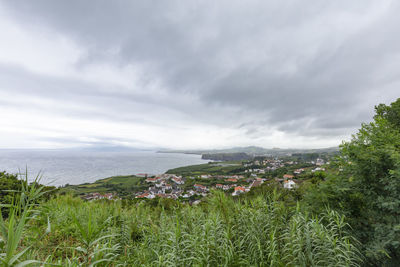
pixel 11 185
pixel 8 184
pixel 367 189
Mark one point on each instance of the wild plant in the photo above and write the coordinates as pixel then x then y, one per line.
pixel 21 211
pixel 93 250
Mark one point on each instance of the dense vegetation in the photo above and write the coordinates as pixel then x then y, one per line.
pixel 215 168
pixel 262 230
pixel 347 217
pixel 367 190
pixel 124 185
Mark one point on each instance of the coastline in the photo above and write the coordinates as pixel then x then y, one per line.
pixel 77 167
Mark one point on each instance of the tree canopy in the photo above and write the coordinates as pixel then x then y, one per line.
pixel 367 187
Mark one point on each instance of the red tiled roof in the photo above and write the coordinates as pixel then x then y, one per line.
pixel 143 195
pixel 239 188
pixel 288 176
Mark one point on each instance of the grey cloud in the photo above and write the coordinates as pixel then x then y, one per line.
pixel 97 141
pixel 83 100
pixel 302 69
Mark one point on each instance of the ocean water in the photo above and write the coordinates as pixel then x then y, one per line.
pixel 60 167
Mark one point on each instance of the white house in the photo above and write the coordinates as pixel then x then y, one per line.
pixel 177 180
pixel 318 169
pixel 168 186
pixel 289 184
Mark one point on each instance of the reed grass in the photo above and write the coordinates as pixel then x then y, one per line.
pixel 222 231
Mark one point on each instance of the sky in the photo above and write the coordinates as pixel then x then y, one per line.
pixel 194 74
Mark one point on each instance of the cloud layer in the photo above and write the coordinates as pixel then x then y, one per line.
pixel 194 74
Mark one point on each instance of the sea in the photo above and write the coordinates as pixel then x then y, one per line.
pixel 61 167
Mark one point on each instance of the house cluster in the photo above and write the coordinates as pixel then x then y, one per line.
pixel 299 171
pixel 222 177
pixel 265 165
pixel 198 189
pixel 260 171
pixel 174 187
pixel 228 186
pixel 231 182
pixel 318 162
pixel 97 196
pixel 237 190
pixel 224 187
pixel 289 181
pixel 168 186
pixel 164 185
pixel 243 189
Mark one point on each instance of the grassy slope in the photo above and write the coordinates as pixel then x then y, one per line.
pixel 230 167
pixel 121 184
pixel 125 185
pixel 222 231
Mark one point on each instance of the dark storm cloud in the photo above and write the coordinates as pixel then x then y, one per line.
pixel 303 68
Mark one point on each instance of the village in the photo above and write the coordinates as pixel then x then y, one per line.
pixel 194 187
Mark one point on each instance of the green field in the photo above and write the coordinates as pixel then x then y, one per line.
pixel 123 185
pixel 215 168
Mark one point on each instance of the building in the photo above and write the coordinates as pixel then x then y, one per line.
pixel 168 186
pixel 226 187
pixel 146 195
pixel 177 180
pixel 96 196
pixel 257 182
pixel 318 169
pixel 320 162
pixel 200 187
pixel 219 186
pixel 298 171
pixel 288 176
pixel 289 184
pixel 238 190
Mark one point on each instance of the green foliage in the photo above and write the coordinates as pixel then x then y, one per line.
pixel 306 156
pixel 90 236
pixel 215 168
pixel 9 184
pixel 367 189
pixel 125 186
pixel 390 113
pixel 21 211
pixel 256 231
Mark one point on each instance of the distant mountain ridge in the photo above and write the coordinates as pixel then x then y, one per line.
pixel 255 150
pixel 227 156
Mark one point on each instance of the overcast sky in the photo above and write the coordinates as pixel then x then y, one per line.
pixel 194 74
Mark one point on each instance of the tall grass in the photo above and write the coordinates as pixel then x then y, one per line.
pixel 261 231
pixel 21 211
